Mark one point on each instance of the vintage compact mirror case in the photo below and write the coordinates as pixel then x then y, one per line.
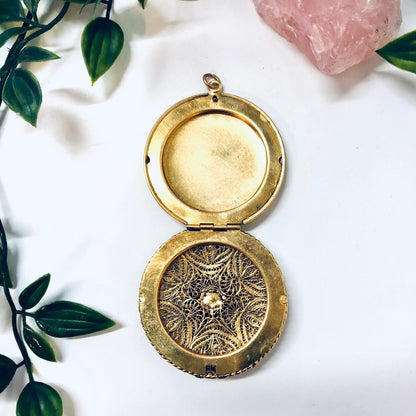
pixel 212 299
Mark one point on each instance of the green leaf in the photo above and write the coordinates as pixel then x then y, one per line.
pixel 36 54
pixel 22 94
pixel 32 5
pixel 4 269
pixel 7 370
pixel 143 3
pixel 31 296
pixel 38 344
pixel 401 52
pixel 9 33
pixel 101 43
pixel 69 319
pixel 39 399
pixel 11 11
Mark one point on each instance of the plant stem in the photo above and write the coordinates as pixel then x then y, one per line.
pixel 109 7
pixel 19 341
pixel 24 313
pixel 50 25
pixel 15 326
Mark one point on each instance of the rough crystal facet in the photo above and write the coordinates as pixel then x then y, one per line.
pixel 333 34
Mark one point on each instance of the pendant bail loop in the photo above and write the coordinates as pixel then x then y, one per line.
pixel 213 83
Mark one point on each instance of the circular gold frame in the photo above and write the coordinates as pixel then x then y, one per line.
pixel 226 106
pixel 230 363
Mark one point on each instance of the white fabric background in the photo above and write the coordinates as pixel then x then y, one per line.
pixel 76 204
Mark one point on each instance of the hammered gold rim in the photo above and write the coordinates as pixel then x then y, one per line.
pixel 237 108
pixel 227 364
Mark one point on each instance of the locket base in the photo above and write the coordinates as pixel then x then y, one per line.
pixel 213 303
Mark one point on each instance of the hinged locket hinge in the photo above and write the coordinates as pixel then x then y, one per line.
pixel 213 227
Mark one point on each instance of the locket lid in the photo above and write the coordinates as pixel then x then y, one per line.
pixel 214 159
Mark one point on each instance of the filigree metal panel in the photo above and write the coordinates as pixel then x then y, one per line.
pixel 212 299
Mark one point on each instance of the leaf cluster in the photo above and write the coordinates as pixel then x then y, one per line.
pixel 59 319
pixel 101 43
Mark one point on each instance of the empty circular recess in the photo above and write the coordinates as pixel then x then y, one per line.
pixel 214 162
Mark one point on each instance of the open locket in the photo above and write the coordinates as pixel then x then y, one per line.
pixel 212 299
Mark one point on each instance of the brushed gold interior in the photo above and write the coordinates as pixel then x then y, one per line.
pixel 214 162
pixel 214 159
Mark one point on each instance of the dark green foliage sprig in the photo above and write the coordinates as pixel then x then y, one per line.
pixel 101 44
pixel 61 319
pixel 401 52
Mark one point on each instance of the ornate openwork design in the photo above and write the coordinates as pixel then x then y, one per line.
pixel 212 299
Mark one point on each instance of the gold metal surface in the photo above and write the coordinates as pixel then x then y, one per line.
pixel 213 303
pixel 214 158
pixel 213 83
pixel 214 162
pixel 212 299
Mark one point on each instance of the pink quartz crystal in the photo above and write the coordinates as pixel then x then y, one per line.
pixel 333 34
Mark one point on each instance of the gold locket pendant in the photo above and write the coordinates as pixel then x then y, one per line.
pixel 212 298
